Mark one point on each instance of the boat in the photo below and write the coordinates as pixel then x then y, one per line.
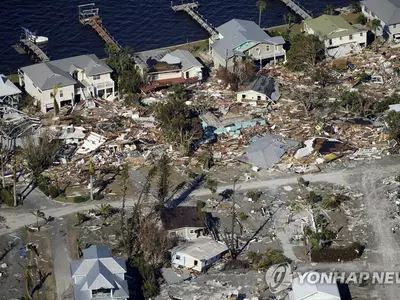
pixel 34 38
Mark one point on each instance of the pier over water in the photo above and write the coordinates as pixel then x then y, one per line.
pixel 190 9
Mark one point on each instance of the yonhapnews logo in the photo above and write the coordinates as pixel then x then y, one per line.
pixel 279 277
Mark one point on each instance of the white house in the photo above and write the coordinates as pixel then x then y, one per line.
pixel 197 254
pixel 238 39
pixel 318 291
pixel 388 12
pixel 259 92
pixel 10 95
pixel 340 37
pixel 164 67
pixel 83 76
pixel 99 276
pixel 183 222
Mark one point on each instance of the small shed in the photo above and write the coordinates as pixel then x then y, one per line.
pixel 197 254
pixel 10 95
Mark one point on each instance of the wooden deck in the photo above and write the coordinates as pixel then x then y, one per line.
pixel 298 9
pixel 95 23
pixel 152 86
pixel 36 50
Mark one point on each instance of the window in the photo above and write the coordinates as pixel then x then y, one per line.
pixel 330 42
pixel 243 96
pixel 51 95
pixel 258 98
pixel 340 38
pixel 394 26
pixel 96 77
pixel 350 37
pixel 196 262
pixel 192 231
pixel 177 257
pixel 61 94
pixel 267 48
pixel 101 293
pixel 361 34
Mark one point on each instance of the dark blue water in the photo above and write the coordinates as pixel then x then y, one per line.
pixel 141 24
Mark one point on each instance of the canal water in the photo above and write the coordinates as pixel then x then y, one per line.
pixel 141 24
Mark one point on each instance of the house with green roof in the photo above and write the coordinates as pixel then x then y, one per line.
pixel 340 37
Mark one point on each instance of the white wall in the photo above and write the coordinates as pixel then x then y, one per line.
pixel 187 261
pixel 166 75
pixel 193 72
pixel 103 78
pixel 370 16
pixel 47 102
pixel 251 96
pixel 187 233
pixel 358 37
pixel 266 51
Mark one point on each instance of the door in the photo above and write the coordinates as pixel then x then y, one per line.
pixel 187 75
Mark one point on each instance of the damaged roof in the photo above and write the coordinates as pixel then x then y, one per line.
pixel 268 150
pixel 181 216
pixel 262 84
pixel 202 248
pixel 7 88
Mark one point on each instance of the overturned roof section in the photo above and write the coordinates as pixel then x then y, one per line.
pixel 202 248
pixel 331 26
pixel 181 216
pixel 7 88
pixel 268 150
pixel 99 270
pixel 264 85
pixel 313 291
pixel 386 10
pixel 46 75
pixel 237 32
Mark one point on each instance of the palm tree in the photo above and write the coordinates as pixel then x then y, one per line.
pixel 105 210
pixel 374 25
pixel 91 173
pixel 262 5
pixel 38 214
pixel 329 10
pixel 55 103
pixel 288 18
pixel 212 185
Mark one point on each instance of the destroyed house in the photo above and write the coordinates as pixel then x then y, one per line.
pixel 10 95
pixel 164 68
pixel 388 12
pixel 313 291
pixel 99 276
pixel 198 254
pixel 239 39
pixel 184 222
pixel 79 77
pixel 260 91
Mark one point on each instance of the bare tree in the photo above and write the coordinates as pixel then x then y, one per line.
pixel 39 154
pixel 311 100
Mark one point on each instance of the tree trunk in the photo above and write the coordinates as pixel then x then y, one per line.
pixel 15 184
pixel 91 187
pixel 3 182
pixel 259 18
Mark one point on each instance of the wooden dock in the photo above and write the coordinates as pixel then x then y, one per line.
pixel 190 9
pixel 298 9
pixel 35 50
pixel 89 15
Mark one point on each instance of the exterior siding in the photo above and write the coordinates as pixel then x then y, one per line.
pixel 193 72
pixel 181 259
pixel 267 51
pixel 358 37
pixel 370 16
pixel 187 233
pixel 251 97
pixel 47 101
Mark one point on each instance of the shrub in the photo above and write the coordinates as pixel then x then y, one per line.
pixel 43 187
pixel 200 204
pixel 313 198
pixel 53 191
pixel 330 201
pixel 254 195
pixel 98 196
pixel 79 199
pixel 7 197
pixel 271 257
pixel 243 216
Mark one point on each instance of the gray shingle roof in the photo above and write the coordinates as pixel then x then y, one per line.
pixel 98 269
pixel 268 150
pixel 7 88
pixel 186 58
pixel 386 10
pixel 236 32
pixel 262 84
pixel 46 75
